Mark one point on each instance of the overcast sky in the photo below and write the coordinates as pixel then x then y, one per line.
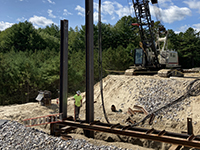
pixel 177 15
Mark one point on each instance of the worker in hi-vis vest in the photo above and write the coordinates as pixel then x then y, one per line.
pixel 77 105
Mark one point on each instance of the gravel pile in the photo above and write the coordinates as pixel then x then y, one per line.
pixel 160 93
pixel 16 136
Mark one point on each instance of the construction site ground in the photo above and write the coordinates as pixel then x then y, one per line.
pixel 124 92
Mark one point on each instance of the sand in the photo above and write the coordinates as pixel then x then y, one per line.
pixel 121 91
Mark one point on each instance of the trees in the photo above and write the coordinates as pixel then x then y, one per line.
pixel 124 33
pixel 52 30
pixel 30 58
pixel 21 37
pixel 189 48
pixel 19 77
pixel 173 40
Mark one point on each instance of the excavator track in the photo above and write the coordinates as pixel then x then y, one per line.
pixel 130 72
pixel 164 73
pixel 170 72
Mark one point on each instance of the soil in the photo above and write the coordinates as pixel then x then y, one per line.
pixel 116 92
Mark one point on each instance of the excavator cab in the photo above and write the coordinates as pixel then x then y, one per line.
pixel 138 56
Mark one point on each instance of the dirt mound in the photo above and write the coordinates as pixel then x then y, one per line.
pixel 122 91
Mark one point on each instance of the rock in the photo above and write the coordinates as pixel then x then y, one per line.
pixel 16 136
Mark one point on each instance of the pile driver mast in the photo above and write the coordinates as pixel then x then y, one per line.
pixel 145 25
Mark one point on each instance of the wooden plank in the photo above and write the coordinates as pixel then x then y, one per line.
pixel 143 109
pixel 175 147
pixel 66 137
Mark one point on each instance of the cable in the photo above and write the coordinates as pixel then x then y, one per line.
pixel 101 68
pixel 100 64
pixel 195 91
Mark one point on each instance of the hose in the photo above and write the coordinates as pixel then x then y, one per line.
pixel 100 64
pixel 101 69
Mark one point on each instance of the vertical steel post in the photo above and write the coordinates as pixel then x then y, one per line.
pixel 89 66
pixel 189 126
pixel 63 67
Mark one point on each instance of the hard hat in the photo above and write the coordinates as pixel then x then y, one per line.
pixel 78 92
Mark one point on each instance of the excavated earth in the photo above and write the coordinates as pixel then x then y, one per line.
pixel 150 92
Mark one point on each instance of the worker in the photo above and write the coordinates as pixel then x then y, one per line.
pixel 77 104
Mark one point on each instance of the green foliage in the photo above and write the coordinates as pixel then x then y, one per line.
pixel 50 41
pixel 76 39
pixel 119 58
pixel 76 70
pixel 52 30
pixel 21 37
pixel 124 33
pixel 189 48
pixel 19 77
pixel 30 58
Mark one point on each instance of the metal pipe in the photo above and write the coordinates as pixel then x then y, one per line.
pixel 89 65
pixel 63 68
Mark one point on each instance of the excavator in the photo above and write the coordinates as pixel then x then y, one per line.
pixel 152 57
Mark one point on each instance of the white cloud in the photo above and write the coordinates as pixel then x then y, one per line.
pixel 21 19
pixel 51 2
pixel 96 17
pixel 66 12
pixel 40 21
pixel 113 18
pixel 122 11
pixel 182 29
pixel 193 4
pixel 185 27
pixel 114 9
pixel 96 6
pixel 5 25
pixel 172 14
pixel 81 10
pixel 108 8
pixel 96 13
pixel 164 3
pixel 50 13
pixel 196 27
